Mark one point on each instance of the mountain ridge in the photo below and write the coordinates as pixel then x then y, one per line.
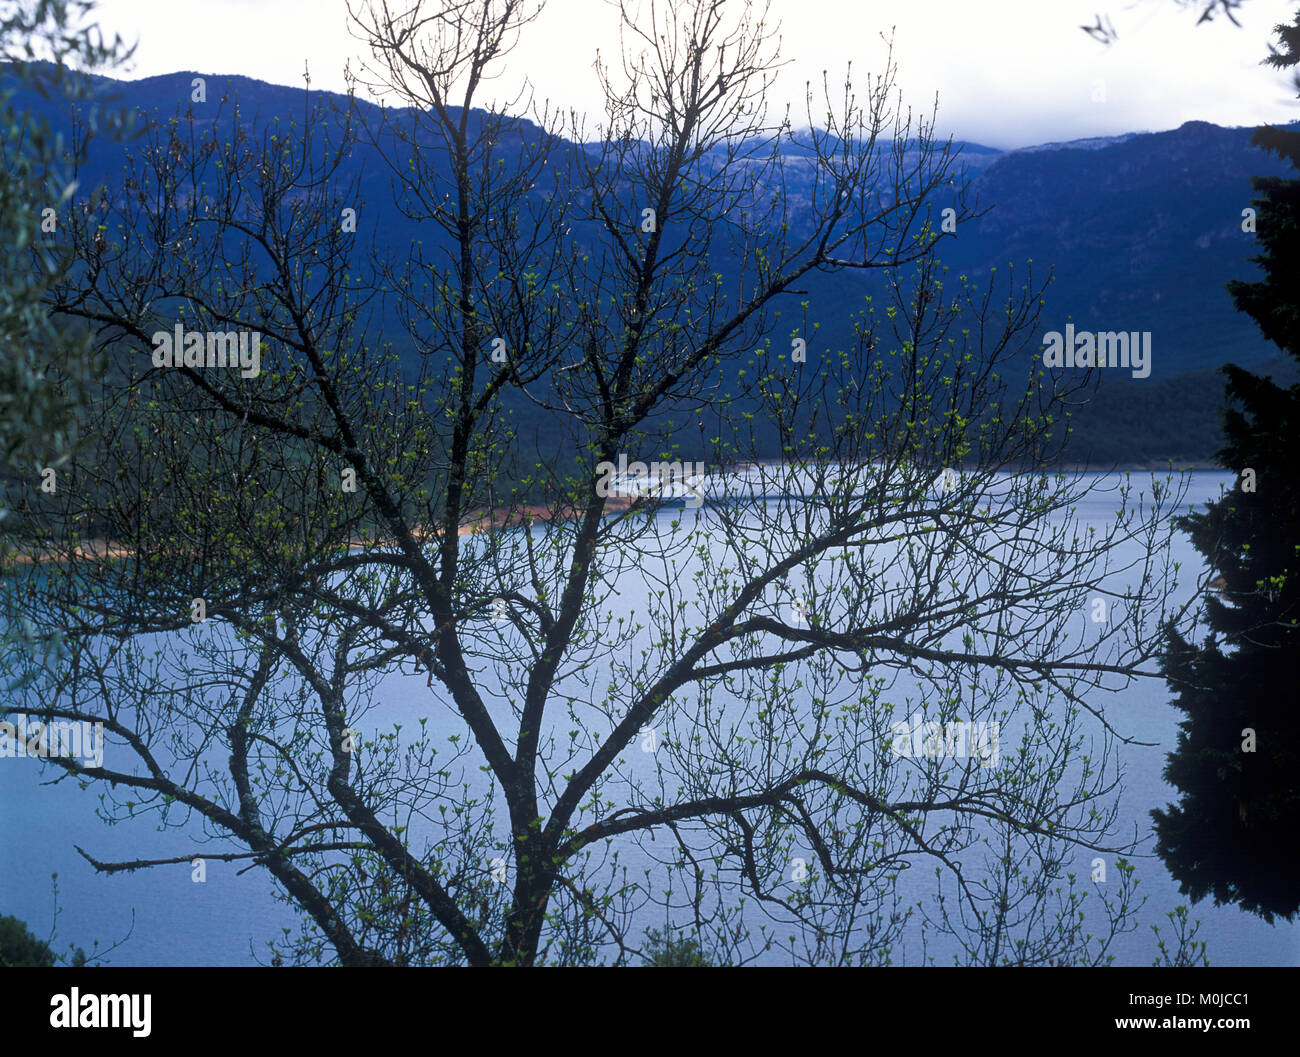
pixel 1141 231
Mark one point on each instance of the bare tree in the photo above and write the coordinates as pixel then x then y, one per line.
pixel 635 707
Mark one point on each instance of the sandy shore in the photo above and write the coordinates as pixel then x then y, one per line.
pixel 481 520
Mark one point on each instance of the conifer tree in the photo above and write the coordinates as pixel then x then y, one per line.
pixel 1232 834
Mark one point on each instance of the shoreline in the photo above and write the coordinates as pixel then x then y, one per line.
pixel 476 521
pixel 485 520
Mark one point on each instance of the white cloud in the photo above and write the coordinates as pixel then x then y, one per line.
pixel 1008 72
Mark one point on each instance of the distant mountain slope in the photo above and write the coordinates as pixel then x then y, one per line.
pixel 1142 234
pixel 1142 231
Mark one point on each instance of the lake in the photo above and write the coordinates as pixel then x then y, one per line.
pixel 227 919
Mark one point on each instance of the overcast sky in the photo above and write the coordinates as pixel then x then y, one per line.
pixel 1009 73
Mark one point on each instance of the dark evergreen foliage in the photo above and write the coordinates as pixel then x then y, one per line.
pixel 1233 833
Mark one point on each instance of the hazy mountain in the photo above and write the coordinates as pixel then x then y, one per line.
pixel 1141 231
